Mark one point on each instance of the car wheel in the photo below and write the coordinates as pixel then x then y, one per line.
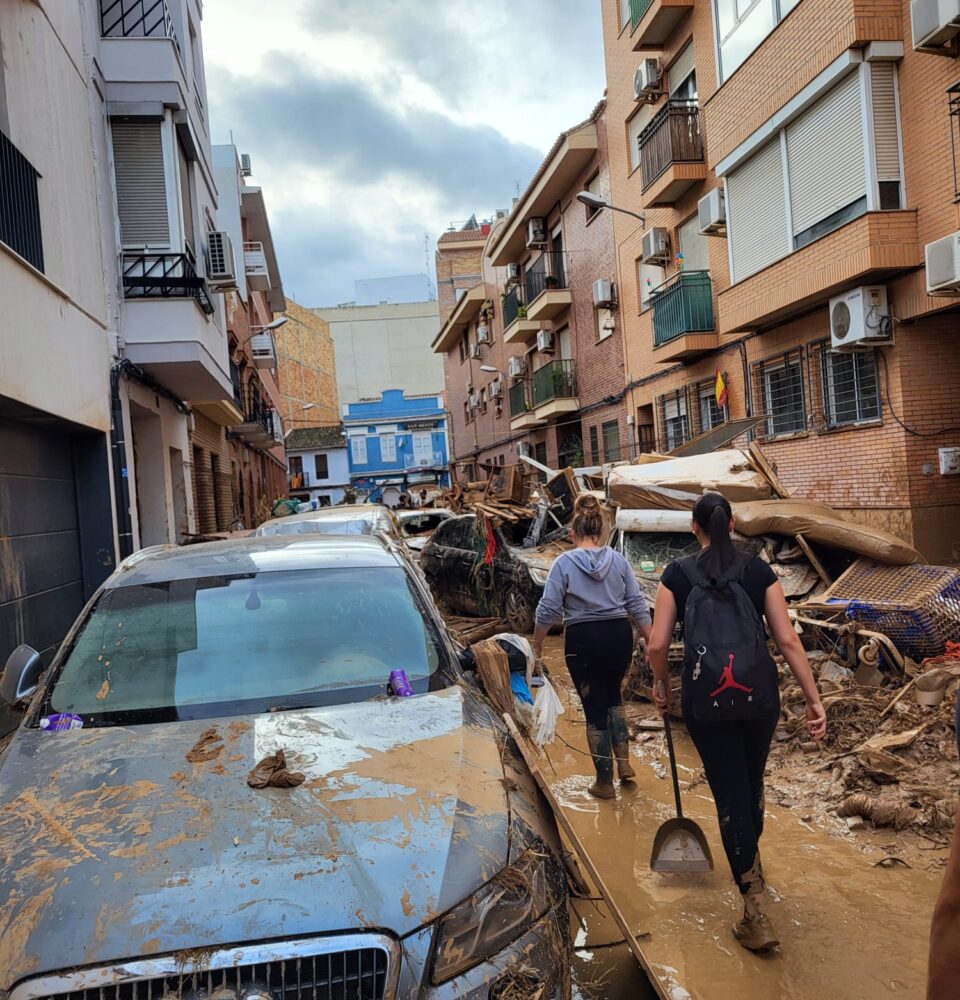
pixel 518 611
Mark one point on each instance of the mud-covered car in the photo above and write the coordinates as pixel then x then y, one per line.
pixel 510 584
pixel 349 519
pixel 415 858
pixel 418 526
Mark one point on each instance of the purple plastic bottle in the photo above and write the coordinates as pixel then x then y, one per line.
pixel 399 684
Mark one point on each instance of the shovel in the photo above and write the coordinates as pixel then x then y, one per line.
pixel 679 845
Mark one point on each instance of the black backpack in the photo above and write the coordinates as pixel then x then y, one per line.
pixel 728 673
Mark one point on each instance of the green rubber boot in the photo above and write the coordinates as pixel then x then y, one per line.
pixel 600 748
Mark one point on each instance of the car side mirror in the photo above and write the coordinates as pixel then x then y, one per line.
pixel 21 675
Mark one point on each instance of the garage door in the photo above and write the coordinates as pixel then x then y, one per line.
pixel 41 573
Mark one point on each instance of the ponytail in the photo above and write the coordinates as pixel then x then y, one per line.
pixel 712 514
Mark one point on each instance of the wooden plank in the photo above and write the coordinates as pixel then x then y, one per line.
pixel 629 936
pixel 814 561
pixel 766 467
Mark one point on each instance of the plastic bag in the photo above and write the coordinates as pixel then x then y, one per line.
pixel 547 708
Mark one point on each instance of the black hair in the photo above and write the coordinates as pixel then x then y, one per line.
pixel 712 514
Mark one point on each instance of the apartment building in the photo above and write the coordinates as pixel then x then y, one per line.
pixel 792 159
pixel 318 465
pixel 531 335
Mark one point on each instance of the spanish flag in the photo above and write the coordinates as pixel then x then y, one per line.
pixel 720 388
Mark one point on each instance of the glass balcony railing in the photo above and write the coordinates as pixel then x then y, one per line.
pixel 519 399
pixel 554 380
pixel 684 304
pixel 673 136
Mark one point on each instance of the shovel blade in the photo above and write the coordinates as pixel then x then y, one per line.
pixel 680 846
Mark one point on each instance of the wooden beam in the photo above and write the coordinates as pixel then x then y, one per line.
pixel 814 561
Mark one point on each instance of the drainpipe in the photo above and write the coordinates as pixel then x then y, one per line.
pixel 121 485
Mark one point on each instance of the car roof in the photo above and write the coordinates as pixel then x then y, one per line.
pixel 409 515
pixel 241 556
pixel 370 512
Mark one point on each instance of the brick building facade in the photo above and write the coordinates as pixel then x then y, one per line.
pixel 530 361
pixel 306 370
pixel 830 137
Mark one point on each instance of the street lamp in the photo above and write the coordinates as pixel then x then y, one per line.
pixel 277 323
pixel 592 201
pixel 490 369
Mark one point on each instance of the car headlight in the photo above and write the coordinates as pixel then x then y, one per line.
pixel 539 576
pixel 494 916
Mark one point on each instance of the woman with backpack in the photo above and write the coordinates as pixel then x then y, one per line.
pixel 730 695
pixel 594 593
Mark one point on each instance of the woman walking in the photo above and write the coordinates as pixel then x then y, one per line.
pixel 593 591
pixel 730 695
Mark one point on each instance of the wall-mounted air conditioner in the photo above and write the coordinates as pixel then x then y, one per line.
pixel 646 80
pixel 483 334
pixel 712 213
pixel 545 341
pixel 943 265
pixel 221 263
pixel 536 232
pixel 860 318
pixel 513 272
pixel 516 367
pixel 935 25
pixel 245 167
pixel 473 400
pixel 496 389
pixel 656 246
pixel 475 351
pixel 524 449
pixel 603 297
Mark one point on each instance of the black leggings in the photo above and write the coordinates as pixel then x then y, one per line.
pixel 734 756
pixel 598 657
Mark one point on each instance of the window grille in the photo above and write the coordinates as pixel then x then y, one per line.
pixel 780 390
pixel 850 386
pixel 674 420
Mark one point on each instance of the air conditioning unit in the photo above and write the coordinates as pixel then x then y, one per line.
pixel 524 449
pixel 516 367
pixel 473 400
pixel 656 246
pixel 935 24
pixel 245 169
pixel 646 80
pixel 536 232
pixel 860 318
pixel 263 350
pixel 513 272
pixel 483 334
pixel 943 266
pixel 545 341
pixel 221 263
pixel 496 389
pixel 712 213
pixel 603 297
pixel 475 351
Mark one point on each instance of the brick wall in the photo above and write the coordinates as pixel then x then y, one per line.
pixel 212 487
pixel 306 370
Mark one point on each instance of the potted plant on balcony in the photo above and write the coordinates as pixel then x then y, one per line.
pixel 550 281
pixel 521 312
pixel 562 381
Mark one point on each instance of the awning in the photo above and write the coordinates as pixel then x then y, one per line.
pixel 418 478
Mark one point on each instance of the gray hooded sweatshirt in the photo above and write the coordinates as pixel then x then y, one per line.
pixel 588 585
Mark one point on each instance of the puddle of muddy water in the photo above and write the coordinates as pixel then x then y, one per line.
pixel 609 973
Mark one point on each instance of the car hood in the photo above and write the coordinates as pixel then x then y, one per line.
pixel 115 846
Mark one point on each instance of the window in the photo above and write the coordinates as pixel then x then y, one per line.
pixel 851 388
pixel 423 448
pixel 741 25
pixel 483 400
pixel 611 441
pixel 358 450
pixel 709 415
pixel 780 383
pixel 634 127
pixel 820 158
pixel 693 246
pixel 186 201
pixel 296 465
pixel 467 414
pixel 540 454
pixel 649 279
pixel 321 466
pixel 388 447
pixel 594 446
pixel 673 416
pixel 682 75
pixel 624 13
pixel 324 501
pixel 141 184
pixel 596 188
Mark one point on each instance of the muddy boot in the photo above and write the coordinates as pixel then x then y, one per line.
pixel 755 931
pixel 621 743
pixel 600 748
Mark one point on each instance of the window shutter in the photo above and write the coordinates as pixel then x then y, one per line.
pixel 757 212
pixel 825 156
pixel 141 184
pixel 885 135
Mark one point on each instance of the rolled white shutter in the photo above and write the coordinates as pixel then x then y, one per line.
pixel 141 184
pixel 885 135
pixel 681 67
pixel 825 156
pixel 757 212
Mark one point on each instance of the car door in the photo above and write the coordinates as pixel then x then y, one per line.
pixel 448 561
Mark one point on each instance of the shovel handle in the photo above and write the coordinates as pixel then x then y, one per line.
pixel 673 764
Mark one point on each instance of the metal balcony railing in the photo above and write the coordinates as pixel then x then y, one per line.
pixel 519 399
pixel 236 382
pixel 555 380
pixel 512 306
pixel 683 304
pixel 673 136
pixel 164 276
pixel 637 9
pixel 547 271
pixel 19 204
pixel 137 19
pixel 256 411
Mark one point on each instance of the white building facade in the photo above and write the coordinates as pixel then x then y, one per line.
pixel 317 464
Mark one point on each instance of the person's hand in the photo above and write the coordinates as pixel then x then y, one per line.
pixel 816 720
pixel 661 697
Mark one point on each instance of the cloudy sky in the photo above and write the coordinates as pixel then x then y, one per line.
pixel 372 123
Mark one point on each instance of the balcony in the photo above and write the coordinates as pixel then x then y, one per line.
pixel 464 313
pixel 517 328
pixel 137 19
pixel 164 276
pixel 263 350
pixel 555 389
pixel 19 204
pixel 671 153
pixel 255 265
pixel 257 427
pixel 683 324
pixel 652 22
pixel 521 407
pixel 545 282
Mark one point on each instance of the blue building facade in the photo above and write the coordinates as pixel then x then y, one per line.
pixel 396 444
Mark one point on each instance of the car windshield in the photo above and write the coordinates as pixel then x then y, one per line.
pixel 322 526
pixel 658 548
pixel 223 645
pixel 419 524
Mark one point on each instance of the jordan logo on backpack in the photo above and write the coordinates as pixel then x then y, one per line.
pixel 727 681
